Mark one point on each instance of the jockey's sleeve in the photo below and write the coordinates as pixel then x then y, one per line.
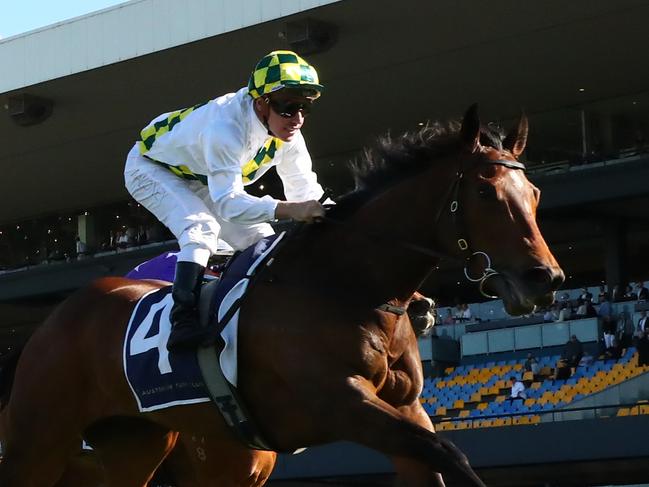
pixel 295 170
pixel 223 150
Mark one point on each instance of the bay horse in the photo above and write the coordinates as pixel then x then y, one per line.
pixel 320 357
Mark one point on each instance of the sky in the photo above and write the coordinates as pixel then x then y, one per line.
pixel 18 16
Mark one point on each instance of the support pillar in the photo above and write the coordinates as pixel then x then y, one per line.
pixel 615 238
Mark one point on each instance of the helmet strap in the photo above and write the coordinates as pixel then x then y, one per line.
pixel 264 118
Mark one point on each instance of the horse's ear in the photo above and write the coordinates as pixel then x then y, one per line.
pixel 517 138
pixel 471 129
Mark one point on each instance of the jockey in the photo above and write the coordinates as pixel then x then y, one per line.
pixel 190 166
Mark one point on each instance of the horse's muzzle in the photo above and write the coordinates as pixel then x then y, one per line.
pixel 543 279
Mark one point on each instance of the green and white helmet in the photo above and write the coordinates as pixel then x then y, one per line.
pixel 284 69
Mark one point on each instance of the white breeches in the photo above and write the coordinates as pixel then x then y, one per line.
pixel 185 207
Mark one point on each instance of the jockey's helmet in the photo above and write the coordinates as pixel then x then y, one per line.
pixel 284 69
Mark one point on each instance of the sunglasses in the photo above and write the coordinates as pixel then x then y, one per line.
pixel 288 108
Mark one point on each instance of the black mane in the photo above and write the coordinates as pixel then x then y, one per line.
pixel 394 159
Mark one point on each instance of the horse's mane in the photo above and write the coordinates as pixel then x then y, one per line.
pixel 395 158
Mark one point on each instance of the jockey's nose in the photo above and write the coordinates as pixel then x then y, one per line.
pixel 549 278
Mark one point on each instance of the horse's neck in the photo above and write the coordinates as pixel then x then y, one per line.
pixel 351 261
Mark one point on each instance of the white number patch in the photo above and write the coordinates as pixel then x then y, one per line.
pixel 141 343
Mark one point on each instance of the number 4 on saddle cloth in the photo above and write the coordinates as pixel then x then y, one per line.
pixel 160 379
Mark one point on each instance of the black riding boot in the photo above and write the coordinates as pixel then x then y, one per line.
pixel 186 331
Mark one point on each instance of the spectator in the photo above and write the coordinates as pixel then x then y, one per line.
pixel 586 295
pixel 643 323
pixel 466 313
pixel 641 342
pixel 625 327
pixel 629 293
pixel 603 295
pixel 448 318
pixel 581 308
pixel 641 292
pixel 565 313
pixel 142 237
pixel 605 309
pixel 563 370
pixel 551 314
pixel 81 248
pixel 517 391
pixel 573 352
pixel 531 364
pixel 609 327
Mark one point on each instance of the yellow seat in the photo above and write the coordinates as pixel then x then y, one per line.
pixel 449 370
pixel 476 397
pixel 440 411
pixel 482 406
pixel 529 402
pixel 501 399
pixel 528 376
pixel 535 385
pixel 459 404
pixel 464 413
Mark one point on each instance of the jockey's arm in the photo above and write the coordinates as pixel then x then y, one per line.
pixel 296 171
pixel 222 147
pixel 231 202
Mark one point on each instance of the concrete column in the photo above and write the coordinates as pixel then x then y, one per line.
pixel 615 238
pixel 86 230
pixel 606 134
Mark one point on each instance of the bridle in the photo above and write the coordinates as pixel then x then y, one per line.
pixel 452 203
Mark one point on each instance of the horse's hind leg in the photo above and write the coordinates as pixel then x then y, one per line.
pixel 36 462
pixel 131 450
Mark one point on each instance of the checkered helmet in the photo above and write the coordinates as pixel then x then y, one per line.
pixel 284 69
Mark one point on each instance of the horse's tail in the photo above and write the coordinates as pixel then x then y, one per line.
pixel 8 365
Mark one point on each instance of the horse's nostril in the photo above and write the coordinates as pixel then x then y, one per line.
pixel 545 276
pixel 558 279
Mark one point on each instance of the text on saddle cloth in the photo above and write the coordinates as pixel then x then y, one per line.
pixel 159 379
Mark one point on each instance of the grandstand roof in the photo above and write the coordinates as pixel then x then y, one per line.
pixel 126 31
pixel 394 64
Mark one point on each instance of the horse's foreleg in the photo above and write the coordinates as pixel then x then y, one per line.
pixel 413 473
pixel 132 452
pixel 376 424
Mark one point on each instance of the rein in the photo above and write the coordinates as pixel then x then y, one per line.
pixel 452 196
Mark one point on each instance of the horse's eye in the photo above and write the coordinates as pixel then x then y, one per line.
pixel 487 191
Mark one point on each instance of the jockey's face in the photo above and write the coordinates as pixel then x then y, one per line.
pixel 285 112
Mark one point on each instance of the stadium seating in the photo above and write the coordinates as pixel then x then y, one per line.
pixel 476 396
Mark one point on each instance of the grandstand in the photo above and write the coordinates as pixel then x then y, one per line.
pixel 573 66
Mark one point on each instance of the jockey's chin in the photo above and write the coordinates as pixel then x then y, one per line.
pixel 286 132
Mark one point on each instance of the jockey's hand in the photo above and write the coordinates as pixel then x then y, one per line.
pixel 303 211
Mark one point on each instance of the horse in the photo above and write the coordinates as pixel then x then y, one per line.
pixel 323 354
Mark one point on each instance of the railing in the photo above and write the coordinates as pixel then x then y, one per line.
pixel 528 337
pixel 557 415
